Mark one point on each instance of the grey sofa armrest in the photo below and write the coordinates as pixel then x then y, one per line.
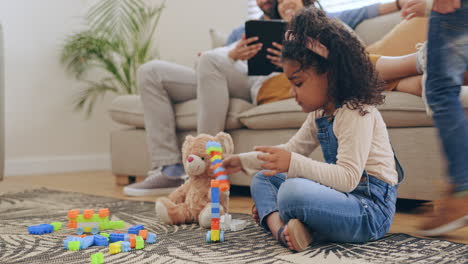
pixel 2 106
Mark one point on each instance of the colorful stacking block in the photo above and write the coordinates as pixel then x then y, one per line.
pixel 219 183
pixel 143 233
pixel 215 150
pixel 151 238
pixel 40 229
pixel 74 245
pixel 140 243
pixel 114 237
pixel 125 246
pixel 115 248
pixel 97 258
pixel 86 242
pixel 105 235
pixel 101 240
pixel 92 222
pixel 57 225
pixel 135 229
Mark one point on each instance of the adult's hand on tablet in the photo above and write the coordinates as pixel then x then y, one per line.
pixel 275 54
pixel 244 51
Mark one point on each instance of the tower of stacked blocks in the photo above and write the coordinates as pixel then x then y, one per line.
pixel 219 183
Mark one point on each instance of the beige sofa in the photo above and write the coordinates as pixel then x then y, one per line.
pixel 411 131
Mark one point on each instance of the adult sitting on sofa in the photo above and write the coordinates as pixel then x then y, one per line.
pixel 158 88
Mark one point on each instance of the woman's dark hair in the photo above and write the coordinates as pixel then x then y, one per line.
pixel 312 2
pixel 352 78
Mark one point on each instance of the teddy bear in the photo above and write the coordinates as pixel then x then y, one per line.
pixel 191 202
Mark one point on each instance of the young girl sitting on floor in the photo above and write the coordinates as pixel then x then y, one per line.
pixel 350 197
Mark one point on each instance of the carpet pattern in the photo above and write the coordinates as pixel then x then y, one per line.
pixel 186 243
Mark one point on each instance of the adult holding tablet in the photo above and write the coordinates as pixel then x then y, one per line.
pixel 162 84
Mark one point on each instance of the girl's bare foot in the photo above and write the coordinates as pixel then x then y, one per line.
pixel 255 216
pixel 296 235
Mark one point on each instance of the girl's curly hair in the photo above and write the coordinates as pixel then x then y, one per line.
pixel 352 78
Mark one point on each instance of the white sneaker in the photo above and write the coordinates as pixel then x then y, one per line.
pixel 157 183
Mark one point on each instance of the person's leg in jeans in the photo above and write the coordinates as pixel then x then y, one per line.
pixel 331 214
pixel 162 84
pixel 447 60
pixel 219 79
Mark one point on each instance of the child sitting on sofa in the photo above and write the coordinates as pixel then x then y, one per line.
pixel 350 197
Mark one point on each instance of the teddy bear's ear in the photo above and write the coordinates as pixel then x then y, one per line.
pixel 188 141
pixel 225 140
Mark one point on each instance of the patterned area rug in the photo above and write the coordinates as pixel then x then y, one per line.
pixel 186 243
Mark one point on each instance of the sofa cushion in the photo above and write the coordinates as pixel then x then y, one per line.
pixel 128 110
pixel 399 110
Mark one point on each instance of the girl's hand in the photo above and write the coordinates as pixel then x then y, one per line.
pixel 232 164
pixel 275 58
pixel 244 52
pixel 413 8
pixel 276 160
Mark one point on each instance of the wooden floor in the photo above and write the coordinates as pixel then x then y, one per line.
pixel 102 183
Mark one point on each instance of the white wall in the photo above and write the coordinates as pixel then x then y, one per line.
pixel 43 133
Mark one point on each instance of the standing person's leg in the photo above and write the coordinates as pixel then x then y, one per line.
pixel 447 60
pixel 218 80
pixel 162 84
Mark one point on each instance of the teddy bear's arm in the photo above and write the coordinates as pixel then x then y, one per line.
pixel 178 196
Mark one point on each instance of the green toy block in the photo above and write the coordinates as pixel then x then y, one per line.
pixel 97 258
pixel 105 235
pixel 74 245
pixel 140 243
pixel 57 225
pixel 116 224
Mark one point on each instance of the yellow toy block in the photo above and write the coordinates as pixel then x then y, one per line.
pixel 214 235
pixel 115 248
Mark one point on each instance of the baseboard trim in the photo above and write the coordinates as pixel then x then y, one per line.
pixel 57 164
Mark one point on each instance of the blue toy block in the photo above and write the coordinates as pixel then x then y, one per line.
pixel 100 240
pixel 47 228
pixel 215 216
pixel 222 177
pixel 126 237
pixel 125 246
pixel 219 169
pixel 135 229
pixel 86 242
pixel 215 195
pixel 214 210
pixel 151 238
pixel 40 229
pixel 114 237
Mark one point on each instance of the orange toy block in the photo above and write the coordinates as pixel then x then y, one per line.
pixel 132 240
pixel 143 234
pixel 72 224
pixel 103 212
pixel 73 214
pixel 88 214
pixel 214 183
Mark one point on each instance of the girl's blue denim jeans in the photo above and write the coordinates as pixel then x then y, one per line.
pixel 360 216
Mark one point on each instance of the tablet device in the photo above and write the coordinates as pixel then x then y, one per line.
pixel 267 31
